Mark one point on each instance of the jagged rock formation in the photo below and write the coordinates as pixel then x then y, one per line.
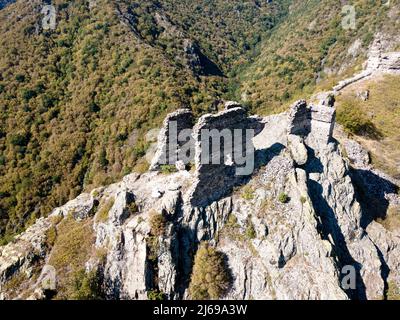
pixel 291 247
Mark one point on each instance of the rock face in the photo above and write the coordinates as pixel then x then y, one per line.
pixel 295 228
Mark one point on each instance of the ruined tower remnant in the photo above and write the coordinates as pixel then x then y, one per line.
pixel 222 147
pixel 168 151
pixel 322 123
pixel 215 177
pixel 299 119
pixel 315 122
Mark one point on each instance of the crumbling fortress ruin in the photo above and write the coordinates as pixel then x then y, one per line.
pixel 167 152
pixel 218 164
pixel 379 62
pixel 315 122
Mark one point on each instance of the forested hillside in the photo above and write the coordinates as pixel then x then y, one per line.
pixel 312 50
pixel 75 101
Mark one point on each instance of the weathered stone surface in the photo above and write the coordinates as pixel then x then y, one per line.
pixel 314 122
pixel 168 151
pixel 216 168
pixel 21 255
pixel 297 149
pixel 299 119
pixel 79 208
pixel 231 105
pixel 363 95
pixel 294 250
pixel 357 155
pixel 322 123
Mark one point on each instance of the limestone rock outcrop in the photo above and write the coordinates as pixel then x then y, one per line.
pixel 292 229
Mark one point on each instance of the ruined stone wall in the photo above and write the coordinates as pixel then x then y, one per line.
pixel 218 139
pixel 213 180
pixel 315 122
pixel 167 151
pixel 299 119
pixel 322 123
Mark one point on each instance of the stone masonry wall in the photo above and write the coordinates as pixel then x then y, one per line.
pixel 213 180
pixel 184 120
pixel 315 122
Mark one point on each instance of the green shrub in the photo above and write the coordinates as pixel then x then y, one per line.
pixel 155 295
pixel 51 236
pixel 20 78
pixel 102 214
pixel 157 224
pixel 250 231
pixel 210 277
pixel 248 193
pixel 132 207
pixel 6 239
pixel 86 286
pixel 232 229
pixel 283 198
pixel 355 121
pixel 168 169
pixel 19 139
pixel 152 243
pixel 141 166
pixel 28 94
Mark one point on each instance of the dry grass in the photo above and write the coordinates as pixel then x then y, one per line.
pixel 248 193
pixel 393 292
pixel 383 111
pixel 392 219
pixel 102 214
pixel 72 248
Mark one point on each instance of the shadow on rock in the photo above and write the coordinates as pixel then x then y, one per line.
pixel 371 191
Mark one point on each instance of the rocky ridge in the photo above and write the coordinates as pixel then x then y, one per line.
pixel 299 244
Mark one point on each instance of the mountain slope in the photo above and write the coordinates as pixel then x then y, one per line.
pixel 295 229
pixel 310 51
pixel 75 101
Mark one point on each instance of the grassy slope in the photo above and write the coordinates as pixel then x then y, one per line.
pixel 382 109
pixel 70 99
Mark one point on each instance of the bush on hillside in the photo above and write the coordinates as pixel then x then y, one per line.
pixel 355 121
pixel 210 278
